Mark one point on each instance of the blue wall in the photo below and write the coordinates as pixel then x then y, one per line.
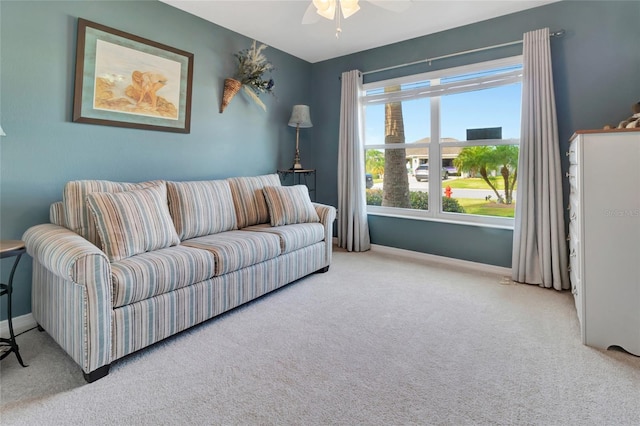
pixel 43 148
pixel 596 69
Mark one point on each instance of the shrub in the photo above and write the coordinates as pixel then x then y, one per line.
pixel 374 197
pixel 419 201
pixel 451 205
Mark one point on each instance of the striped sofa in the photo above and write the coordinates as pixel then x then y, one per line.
pixel 124 265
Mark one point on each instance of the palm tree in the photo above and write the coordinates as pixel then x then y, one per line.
pixel 506 157
pixel 485 159
pixel 396 181
pixel 374 162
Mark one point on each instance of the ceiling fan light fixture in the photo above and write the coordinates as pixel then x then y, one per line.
pixel 325 8
pixel 349 7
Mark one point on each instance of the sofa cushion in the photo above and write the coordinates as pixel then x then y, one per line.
pixel 77 215
pixel 289 205
pixel 150 274
pixel 133 222
pixel 251 208
pixel 293 237
pixel 234 250
pixel 201 207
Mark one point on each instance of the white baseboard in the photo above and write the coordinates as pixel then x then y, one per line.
pixel 442 260
pixel 20 324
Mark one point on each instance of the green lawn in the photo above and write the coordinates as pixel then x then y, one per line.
pixel 473 183
pixel 486 208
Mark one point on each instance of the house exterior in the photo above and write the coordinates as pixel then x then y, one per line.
pixel 417 156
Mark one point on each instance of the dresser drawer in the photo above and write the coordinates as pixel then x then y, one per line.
pixel 576 290
pixel 574 231
pixel 575 282
pixel 574 218
pixel 575 259
pixel 574 203
pixel 574 256
pixel 574 251
pixel 573 178
pixel 573 154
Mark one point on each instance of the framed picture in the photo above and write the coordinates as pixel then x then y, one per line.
pixel 128 81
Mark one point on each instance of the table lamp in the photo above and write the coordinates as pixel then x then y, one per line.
pixel 300 117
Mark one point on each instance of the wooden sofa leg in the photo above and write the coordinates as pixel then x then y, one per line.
pixel 96 374
pixel 322 270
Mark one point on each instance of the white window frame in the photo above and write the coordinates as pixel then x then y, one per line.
pixel 434 91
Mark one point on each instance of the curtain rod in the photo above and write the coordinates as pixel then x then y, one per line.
pixel 558 33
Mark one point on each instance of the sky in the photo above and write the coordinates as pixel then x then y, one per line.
pixel 494 107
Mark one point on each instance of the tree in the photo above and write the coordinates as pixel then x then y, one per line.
pixel 374 162
pixel 506 158
pixel 486 159
pixel 396 181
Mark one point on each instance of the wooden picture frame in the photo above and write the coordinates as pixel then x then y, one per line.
pixel 128 81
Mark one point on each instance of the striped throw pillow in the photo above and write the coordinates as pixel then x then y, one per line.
pixel 289 205
pixel 133 222
pixel 77 215
pixel 251 208
pixel 201 208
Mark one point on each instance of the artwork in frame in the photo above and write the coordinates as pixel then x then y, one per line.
pixel 128 81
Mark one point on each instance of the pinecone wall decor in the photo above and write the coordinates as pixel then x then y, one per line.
pixel 252 64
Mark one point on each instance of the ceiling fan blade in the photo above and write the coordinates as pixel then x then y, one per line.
pixel 392 5
pixel 310 15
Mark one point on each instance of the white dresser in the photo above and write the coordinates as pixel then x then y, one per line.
pixel 604 236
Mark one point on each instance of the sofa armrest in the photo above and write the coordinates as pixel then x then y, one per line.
pixel 71 294
pixel 66 254
pixel 327 215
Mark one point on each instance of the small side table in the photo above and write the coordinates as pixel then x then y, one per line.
pixel 300 177
pixel 10 248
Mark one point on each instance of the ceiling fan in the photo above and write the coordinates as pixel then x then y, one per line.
pixel 342 9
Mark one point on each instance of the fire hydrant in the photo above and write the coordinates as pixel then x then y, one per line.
pixel 447 191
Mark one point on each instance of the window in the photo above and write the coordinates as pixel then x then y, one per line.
pixel 451 132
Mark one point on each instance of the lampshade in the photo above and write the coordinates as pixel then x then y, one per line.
pixel 325 8
pixel 300 116
pixel 349 7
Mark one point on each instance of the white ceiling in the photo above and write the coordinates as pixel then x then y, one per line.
pixel 278 23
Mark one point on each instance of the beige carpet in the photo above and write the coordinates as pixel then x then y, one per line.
pixel 378 340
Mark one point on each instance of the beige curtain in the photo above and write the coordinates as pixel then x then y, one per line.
pixel 539 245
pixel 353 229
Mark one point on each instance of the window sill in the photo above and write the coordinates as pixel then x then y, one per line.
pixel 439 219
